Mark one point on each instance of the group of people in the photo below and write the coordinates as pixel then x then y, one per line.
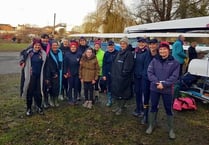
pixel 147 72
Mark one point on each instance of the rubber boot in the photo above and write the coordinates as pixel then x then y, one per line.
pixel 51 101
pixel 96 95
pixel 109 99
pixel 121 105
pixel 46 102
pixel 151 122
pixel 56 101
pixel 145 115
pixel 170 127
pixel 117 107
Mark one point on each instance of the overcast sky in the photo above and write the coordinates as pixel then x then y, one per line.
pixel 41 12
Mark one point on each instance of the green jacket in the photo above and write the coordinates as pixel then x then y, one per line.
pixel 100 56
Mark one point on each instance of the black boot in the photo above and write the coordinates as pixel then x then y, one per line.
pixel 145 115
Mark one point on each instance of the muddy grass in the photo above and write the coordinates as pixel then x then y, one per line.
pixel 68 125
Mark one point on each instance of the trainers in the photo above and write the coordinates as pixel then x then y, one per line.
pixel 115 109
pixel 46 106
pixel 40 111
pixel 109 104
pixel 61 97
pixel 78 98
pixel 136 114
pixel 89 105
pixel 85 104
pixel 29 112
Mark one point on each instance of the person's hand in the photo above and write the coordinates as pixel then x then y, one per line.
pixel 66 75
pixel 47 82
pixel 81 80
pixel 104 78
pixel 22 65
pixel 93 81
pixel 55 76
pixel 159 86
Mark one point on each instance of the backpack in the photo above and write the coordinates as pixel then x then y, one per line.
pixel 185 103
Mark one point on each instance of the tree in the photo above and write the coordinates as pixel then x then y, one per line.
pixel 148 11
pixel 110 16
pixel 154 10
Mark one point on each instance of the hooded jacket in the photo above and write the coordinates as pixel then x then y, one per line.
pixel 165 71
pixel 122 74
pixel 89 68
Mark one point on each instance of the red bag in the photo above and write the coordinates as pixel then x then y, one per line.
pixel 177 104
pixel 188 103
pixel 185 103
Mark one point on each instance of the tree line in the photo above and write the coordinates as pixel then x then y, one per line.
pixel 113 16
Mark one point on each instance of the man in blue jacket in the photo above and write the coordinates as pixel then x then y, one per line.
pixel 178 52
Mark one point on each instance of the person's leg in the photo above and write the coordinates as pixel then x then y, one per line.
pixel 168 101
pixel 22 80
pixel 79 90
pixel 91 90
pixel 96 90
pixel 64 87
pixel 76 88
pixel 86 93
pixel 155 97
pixel 46 92
pixel 109 95
pixel 70 87
pixel 37 95
pixel 29 97
pixel 103 85
pixel 138 92
pixel 146 92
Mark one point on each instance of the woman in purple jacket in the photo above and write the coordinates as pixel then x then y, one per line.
pixel 163 72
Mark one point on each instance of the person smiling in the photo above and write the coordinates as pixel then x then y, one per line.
pixel 163 72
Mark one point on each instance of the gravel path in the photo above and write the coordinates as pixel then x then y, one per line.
pixel 9 62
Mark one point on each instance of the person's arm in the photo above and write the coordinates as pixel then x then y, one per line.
pixel 180 51
pixel 151 72
pixel 23 55
pixel 81 69
pixel 173 77
pixel 128 65
pixel 104 67
pixel 97 70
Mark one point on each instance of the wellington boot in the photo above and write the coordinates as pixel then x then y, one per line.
pixel 171 133
pixel 145 116
pixel 151 123
pixel 56 103
pixel 51 101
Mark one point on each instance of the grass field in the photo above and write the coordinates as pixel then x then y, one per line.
pixel 75 125
pixel 6 46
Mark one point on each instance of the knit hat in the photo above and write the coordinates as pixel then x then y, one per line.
pixel 36 40
pixel 74 43
pixel 165 44
pixel 125 39
pixel 97 42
